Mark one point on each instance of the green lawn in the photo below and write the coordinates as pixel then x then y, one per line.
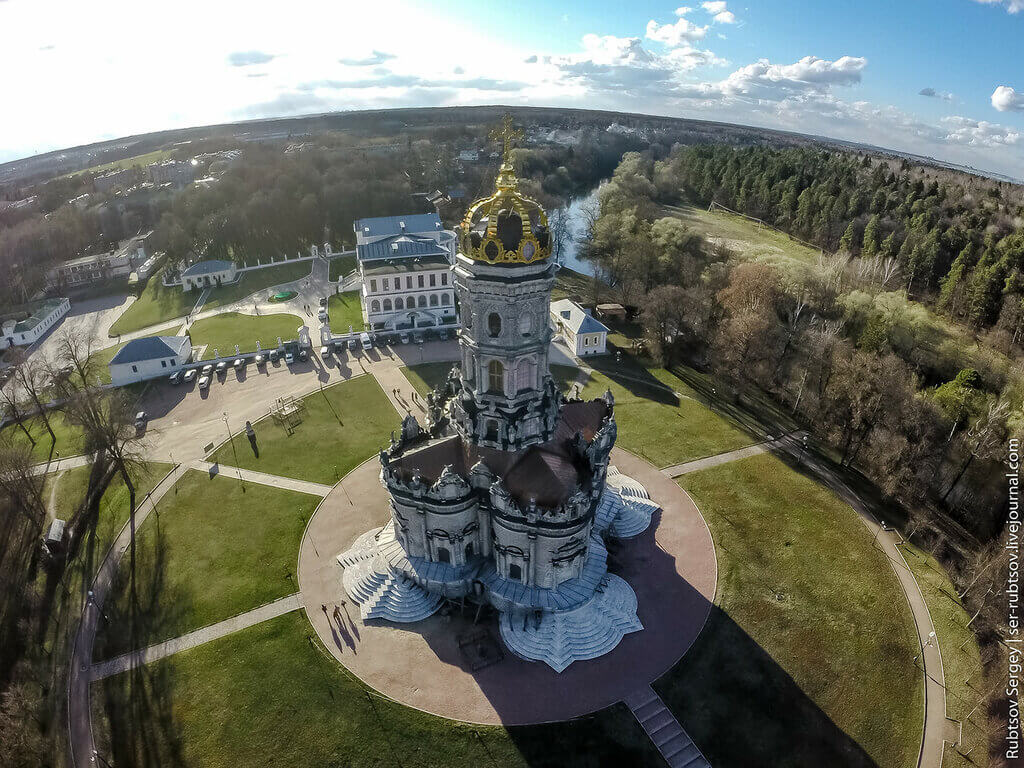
pixel 158 304
pixel 808 657
pixel 156 156
pixel 656 423
pixel 341 266
pixel 341 427
pixel 961 659
pixel 222 332
pixel 345 310
pixel 270 696
pixel 214 551
pixel 574 285
pixel 70 440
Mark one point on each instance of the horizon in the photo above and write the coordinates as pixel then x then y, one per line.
pixel 883 78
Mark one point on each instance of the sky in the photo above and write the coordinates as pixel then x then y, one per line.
pixel 943 78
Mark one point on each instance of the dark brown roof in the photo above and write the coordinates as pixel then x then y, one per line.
pixel 544 472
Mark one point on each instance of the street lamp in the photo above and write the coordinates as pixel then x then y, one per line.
pixel 881 527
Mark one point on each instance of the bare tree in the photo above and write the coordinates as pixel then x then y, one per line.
pixel 33 378
pixel 984 440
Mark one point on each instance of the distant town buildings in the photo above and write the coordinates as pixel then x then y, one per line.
pixel 121 178
pixel 28 330
pixel 178 172
pixel 404 264
pixel 101 267
pixel 149 357
pixel 582 333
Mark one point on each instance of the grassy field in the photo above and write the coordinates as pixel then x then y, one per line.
pixel 156 156
pixel 961 659
pixel 158 303
pixel 228 704
pixel 660 417
pixel 222 332
pixel 745 237
pixel 214 551
pixel 345 310
pixel 340 266
pixel 341 426
pixel 808 656
pixel 70 440
pixel 571 284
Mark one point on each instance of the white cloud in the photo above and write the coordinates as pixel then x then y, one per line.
pixel 980 133
pixel 675 34
pixel 1012 6
pixel 683 10
pixel 1005 98
pixel 374 58
pixel 248 58
pixel 716 6
pixel 725 17
pixel 764 80
pixel 931 93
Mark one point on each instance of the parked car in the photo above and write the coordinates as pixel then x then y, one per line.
pixel 140 420
pixel 365 340
pixel 322 315
pixel 274 354
pixel 190 374
pixel 260 360
pixel 353 344
pixel 325 352
pixel 323 301
pixel 443 334
pixel 204 382
pixel 239 363
pixel 289 358
pixel 175 378
pixel 222 366
pixel 404 337
pixel 207 369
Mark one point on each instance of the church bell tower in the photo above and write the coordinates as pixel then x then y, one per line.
pixel 503 276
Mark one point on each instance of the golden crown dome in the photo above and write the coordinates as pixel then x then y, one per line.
pixel 507 226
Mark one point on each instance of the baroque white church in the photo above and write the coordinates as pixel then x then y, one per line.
pixel 505 496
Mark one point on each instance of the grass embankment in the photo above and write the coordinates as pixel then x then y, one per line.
pixel 228 704
pixel 961 660
pixel 570 284
pixel 341 426
pixel 340 266
pixel 345 310
pixel 808 657
pixel 156 156
pixel 223 332
pixel 159 303
pixel 217 548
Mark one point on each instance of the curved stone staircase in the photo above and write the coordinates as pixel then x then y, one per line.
pixel 585 632
pixel 383 594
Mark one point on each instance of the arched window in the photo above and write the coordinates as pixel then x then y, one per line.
pixel 433 299
pixel 495 377
pixel 492 431
pixel 515 572
pixel 387 305
pixel 443 555
pixel 445 300
pixel 375 306
pixel 469 551
pixel 525 377
pixel 399 304
pixel 421 301
pixel 494 324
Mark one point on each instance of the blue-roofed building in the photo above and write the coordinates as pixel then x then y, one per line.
pixel 23 330
pixel 583 334
pixel 404 265
pixel 209 273
pixel 148 358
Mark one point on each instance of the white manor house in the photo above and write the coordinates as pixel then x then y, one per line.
pixel 404 264
pixel 505 496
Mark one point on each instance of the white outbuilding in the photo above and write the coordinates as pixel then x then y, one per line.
pixel 149 357
pixel 27 330
pixel 209 273
pixel 583 334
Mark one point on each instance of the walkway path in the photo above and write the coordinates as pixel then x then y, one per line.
pixel 674 744
pixel 262 478
pixel 79 677
pixel 400 391
pixel 722 458
pixel 190 640
pixel 61 464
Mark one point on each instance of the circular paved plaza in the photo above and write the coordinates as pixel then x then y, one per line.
pixel 671 567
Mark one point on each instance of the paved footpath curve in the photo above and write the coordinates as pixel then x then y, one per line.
pixel 133 659
pixel 79 712
pixel 722 458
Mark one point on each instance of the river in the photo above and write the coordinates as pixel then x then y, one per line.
pixel 577 228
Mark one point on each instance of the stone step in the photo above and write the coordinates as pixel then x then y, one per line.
pixel 664 730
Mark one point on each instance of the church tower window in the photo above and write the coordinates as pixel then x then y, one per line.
pixel 495 376
pixel 524 375
pixel 515 572
pixel 494 324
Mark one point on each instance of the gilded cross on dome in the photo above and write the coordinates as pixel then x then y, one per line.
pixel 507 134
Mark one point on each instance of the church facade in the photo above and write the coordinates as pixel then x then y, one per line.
pixel 506 495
